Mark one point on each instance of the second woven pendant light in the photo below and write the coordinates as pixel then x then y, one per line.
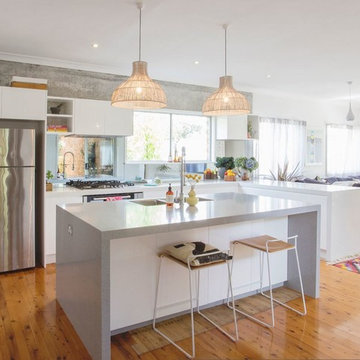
pixel 226 100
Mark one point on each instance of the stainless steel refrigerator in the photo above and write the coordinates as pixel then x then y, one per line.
pixel 17 199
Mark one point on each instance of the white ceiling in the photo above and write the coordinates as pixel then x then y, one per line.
pixel 310 47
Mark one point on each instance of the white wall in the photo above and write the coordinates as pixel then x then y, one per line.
pixel 316 113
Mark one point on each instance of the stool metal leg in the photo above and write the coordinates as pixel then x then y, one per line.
pixel 301 283
pixel 192 317
pixel 261 262
pixel 270 288
pixel 157 292
pixel 272 299
pixel 232 251
pixel 302 313
pixel 233 308
pixel 261 279
pixel 197 274
pixel 198 290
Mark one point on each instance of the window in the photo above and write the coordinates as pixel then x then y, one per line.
pixel 151 139
pixel 95 154
pixel 193 132
pixel 158 135
pixel 342 150
pixel 281 141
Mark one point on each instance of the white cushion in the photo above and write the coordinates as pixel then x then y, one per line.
pixel 183 251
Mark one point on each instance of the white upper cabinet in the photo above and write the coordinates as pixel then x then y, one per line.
pixel 232 128
pixel 95 117
pixel 89 117
pixel 119 121
pixel 23 104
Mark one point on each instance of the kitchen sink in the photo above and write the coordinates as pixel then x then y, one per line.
pixel 155 202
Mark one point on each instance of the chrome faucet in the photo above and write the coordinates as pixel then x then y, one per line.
pixel 182 176
pixel 73 162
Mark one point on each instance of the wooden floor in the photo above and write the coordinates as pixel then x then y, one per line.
pixel 33 326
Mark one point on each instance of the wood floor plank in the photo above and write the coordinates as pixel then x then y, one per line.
pixel 33 326
pixel 318 335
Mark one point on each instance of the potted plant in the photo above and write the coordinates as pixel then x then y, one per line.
pixel 284 174
pixel 49 176
pixel 245 166
pixel 223 164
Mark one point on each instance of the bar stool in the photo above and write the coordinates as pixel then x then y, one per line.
pixel 269 245
pixel 189 264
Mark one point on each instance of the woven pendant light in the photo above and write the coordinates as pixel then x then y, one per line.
pixel 226 100
pixel 350 115
pixel 139 91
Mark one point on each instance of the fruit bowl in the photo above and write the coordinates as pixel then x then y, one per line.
pixel 210 174
pixel 229 177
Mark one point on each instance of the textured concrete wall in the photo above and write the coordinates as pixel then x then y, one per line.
pixel 99 86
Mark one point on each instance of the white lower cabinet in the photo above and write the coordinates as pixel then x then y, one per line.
pixel 23 104
pixel 96 117
pixel 50 223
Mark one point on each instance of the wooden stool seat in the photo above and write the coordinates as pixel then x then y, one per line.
pixel 259 243
pixel 266 245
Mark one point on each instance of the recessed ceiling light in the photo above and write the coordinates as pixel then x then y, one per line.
pixel 268 76
pixel 95 45
pixel 196 62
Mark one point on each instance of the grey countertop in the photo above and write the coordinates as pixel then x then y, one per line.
pixel 61 190
pixel 120 219
pixel 320 189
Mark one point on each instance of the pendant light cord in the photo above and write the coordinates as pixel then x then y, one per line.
pixel 225 26
pixel 140 6
pixel 350 83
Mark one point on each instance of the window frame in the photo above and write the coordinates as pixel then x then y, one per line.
pixel 171 113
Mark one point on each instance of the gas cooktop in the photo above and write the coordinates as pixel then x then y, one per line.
pixel 98 184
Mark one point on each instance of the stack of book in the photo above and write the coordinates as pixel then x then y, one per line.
pixel 57 128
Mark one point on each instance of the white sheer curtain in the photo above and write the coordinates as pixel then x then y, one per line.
pixel 342 150
pixel 281 140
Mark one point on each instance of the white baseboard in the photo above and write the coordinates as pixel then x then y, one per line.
pixel 323 254
pixel 50 259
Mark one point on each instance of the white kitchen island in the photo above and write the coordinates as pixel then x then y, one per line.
pixel 107 257
pixel 340 205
